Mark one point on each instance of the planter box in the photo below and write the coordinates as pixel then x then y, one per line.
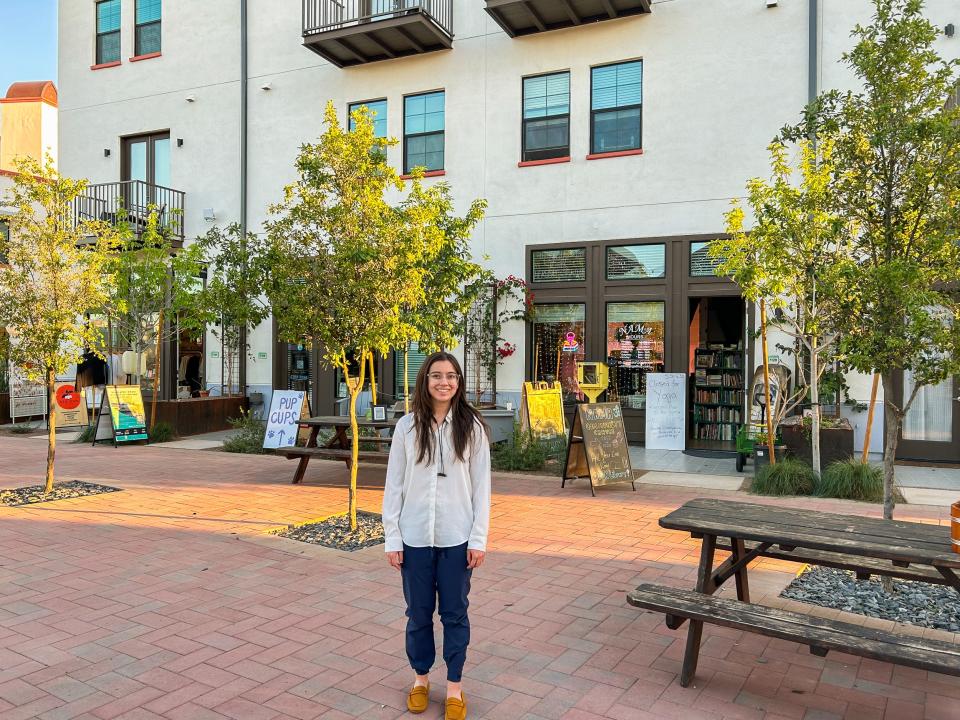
pixel 199 415
pixel 500 422
pixel 835 443
pixel 4 408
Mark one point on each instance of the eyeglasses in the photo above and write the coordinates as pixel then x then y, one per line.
pixel 451 378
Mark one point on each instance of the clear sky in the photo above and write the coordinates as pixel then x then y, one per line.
pixel 28 41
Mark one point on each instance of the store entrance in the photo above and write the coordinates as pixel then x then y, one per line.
pixel 716 363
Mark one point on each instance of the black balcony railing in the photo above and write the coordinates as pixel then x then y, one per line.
pixel 132 202
pixel 325 15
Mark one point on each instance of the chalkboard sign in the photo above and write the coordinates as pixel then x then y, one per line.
pixel 666 427
pixel 598 447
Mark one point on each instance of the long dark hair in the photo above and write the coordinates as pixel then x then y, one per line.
pixel 465 417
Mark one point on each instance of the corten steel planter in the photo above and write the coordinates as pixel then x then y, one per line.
pixel 836 443
pixel 200 415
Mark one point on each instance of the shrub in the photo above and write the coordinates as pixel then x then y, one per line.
pixel 86 435
pixel 787 477
pixel 24 428
pixel 854 480
pixel 250 438
pixel 524 452
pixel 161 432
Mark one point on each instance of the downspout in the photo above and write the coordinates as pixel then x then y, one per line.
pixel 813 86
pixel 243 176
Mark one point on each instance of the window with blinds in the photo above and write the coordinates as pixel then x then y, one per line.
pixel 701 264
pixel 616 99
pixel 546 116
pixel 108 31
pixel 415 360
pixel 564 265
pixel 147 39
pixel 635 262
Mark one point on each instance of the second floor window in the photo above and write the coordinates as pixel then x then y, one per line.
pixel 423 131
pixel 615 105
pixel 378 113
pixel 108 31
pixel 546 116
pixel 147 39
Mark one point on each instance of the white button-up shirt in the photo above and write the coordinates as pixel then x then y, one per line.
pixel 424 510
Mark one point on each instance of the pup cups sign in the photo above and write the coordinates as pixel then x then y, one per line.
pixel 287 408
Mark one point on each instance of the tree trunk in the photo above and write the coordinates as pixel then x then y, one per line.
pixel 51 428
pixel 766 380
pixel 815 419
pixel 892 419
pixel 373 381
pixel 354 388
pixel 156 376
pixel 873 401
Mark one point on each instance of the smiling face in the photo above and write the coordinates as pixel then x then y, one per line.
pixel 442 381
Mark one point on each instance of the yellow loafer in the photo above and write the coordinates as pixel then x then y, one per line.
pixel 456 709
pixel 418 698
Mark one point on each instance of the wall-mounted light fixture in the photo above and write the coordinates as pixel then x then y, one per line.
pixel 949 30
pixel 106 152
pixel 179 142
pixel 267 86
pixel 191 98
pixel 771 3
pixel 209 215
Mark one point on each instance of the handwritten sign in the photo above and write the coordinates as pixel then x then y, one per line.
pixel 542 410
pixel 598 446
pixel 666 411
pixel 287 407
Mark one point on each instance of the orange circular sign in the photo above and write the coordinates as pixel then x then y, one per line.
pixel 67 397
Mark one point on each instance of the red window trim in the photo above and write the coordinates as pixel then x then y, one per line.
pixel 103 66
pixel 148 56
pixel 615 153
pixel 548 161
pixel 429 173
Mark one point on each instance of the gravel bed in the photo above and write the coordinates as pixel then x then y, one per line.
pixel 918 603
pixel 335 532
pixel 61 491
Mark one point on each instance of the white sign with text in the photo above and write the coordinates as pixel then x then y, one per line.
pixel 666 411
pixel 286 409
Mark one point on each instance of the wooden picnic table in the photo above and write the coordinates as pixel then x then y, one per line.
pixel 338 447
pixel 864 545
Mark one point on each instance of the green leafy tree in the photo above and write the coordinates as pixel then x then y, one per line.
pixel 797 259
pixel 233 301
pixel 897 157
pixel 154 293
pixel 56 270
pixel 343 268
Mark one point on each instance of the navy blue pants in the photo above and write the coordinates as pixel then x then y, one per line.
pixel 430 573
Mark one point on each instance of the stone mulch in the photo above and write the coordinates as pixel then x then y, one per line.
pixel 61 491
pixel 918 603
pixel 334 532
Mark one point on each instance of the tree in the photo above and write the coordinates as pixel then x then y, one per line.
pixel 344 266
pixel 56 270
pixel 153 295
pixel 233 302
pixel 796 259
pixel 897 178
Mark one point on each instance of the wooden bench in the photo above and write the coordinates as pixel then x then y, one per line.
pixel 304 454
pixel 821 634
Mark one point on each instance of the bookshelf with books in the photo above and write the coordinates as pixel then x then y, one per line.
pixel 717 392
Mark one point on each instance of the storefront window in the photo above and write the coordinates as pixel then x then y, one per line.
pixel 566 265
pixel 701 264
pixel 636 262
pixel 634 348
pixel 558 338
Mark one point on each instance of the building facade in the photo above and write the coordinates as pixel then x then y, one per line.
pixel 608 138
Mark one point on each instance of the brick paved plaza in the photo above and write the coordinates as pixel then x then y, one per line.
pixel 171 600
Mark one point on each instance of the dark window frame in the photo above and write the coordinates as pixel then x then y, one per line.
pixel 407 136
pixel 360 103
pixel 524 121
pixel 98 51
pixel 606 263
pixel 137 26
pixel 594 113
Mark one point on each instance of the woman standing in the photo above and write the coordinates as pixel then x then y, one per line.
pixel 436 513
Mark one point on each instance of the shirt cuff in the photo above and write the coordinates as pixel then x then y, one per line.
pixel 393 546
pixel 477 546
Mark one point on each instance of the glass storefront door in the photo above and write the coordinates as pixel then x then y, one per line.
pixel 635 335
pixel 931 428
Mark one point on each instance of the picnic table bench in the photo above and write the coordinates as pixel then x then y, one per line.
pixel 338 447
pixel 866 546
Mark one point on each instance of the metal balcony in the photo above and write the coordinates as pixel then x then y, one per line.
pixel 132 202
pixel 527 17
pixel 355 32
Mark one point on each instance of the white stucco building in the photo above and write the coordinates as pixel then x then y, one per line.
pixel 608 136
